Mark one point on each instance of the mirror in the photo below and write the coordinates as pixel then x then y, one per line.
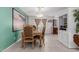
pixel 63 22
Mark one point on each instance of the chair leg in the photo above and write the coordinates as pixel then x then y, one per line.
pixel 34 41
pixel 33 44
pixel 43 42
pixel 40 42
pixel 22 44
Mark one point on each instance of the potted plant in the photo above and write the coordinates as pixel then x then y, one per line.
pixel 76 15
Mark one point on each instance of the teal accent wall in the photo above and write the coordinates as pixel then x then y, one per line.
pixel 7 37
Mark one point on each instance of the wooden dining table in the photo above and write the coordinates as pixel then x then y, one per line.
pixel 38 33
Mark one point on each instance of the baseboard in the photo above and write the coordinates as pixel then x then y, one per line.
pixel 11 45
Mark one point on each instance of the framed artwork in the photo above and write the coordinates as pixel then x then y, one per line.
pixel 18 20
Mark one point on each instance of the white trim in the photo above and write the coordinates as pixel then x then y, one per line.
pixel 11 45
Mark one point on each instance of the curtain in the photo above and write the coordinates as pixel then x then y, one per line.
pixel 37 21
pixel 44 21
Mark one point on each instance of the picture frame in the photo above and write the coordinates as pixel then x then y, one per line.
pixel 18 20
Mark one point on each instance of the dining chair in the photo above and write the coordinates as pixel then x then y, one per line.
pixel 43 35
pixel 27 36
pixel 34 27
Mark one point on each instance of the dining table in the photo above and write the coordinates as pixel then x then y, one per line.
pixel 38 33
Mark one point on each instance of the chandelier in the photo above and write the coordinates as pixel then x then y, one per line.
pixel 40 15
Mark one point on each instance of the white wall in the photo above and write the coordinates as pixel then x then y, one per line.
pixel 31 20
pixel 71 27
pixel 66 37
pixel 49 26
pixel 62 34
pixel 26 19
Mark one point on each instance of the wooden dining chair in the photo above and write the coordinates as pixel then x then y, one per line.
pixel 27 36
pixel 34 27
pixel 43 35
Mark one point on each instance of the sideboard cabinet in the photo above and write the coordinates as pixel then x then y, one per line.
pixel 76 39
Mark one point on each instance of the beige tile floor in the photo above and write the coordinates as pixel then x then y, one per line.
pixel 51 45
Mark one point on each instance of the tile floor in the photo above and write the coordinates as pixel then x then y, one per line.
pixel 51 45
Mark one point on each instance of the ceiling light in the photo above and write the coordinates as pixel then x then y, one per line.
pixel 39 15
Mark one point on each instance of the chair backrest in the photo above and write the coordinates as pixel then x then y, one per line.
pixel 34 27
pixel 28 30
pixel 43 31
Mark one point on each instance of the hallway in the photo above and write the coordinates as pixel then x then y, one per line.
pixel 51 45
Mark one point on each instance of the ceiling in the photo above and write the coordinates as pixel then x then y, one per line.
pixel 46 11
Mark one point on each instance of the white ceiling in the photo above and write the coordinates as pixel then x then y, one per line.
pixel 46 11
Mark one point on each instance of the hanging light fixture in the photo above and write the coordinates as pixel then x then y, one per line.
pixel 39 15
